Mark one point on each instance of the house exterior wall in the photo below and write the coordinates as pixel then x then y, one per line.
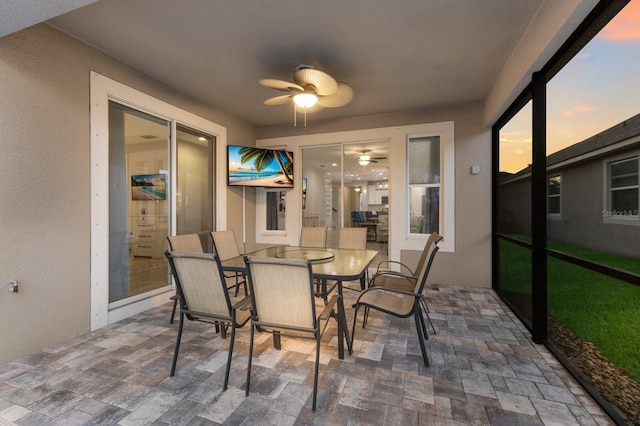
pixel 581 222
pixel 514 212
pixel 45 169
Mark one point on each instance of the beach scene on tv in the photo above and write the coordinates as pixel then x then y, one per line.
pixel 148 187
pixel 250 166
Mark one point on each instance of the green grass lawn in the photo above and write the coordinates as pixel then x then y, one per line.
pixel 600 309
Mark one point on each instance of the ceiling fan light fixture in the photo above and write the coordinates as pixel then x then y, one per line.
pixel 364 159
pixel 305 100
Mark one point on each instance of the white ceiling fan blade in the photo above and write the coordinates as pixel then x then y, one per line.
pixel 278 100
pixel 339 98
pixel 280 84
pixel 323 83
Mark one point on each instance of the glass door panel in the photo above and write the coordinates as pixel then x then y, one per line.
pixel 138 202
pixel 194 182
pixel 366 188
pixel 322 182
pixel 341 189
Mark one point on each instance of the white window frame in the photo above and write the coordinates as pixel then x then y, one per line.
pixel 438 185
pixel 555 216
pixel 398 183
pixel 609 216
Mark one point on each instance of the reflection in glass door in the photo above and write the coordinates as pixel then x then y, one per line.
pixel 138 202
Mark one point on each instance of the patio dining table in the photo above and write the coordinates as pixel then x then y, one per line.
pixel 326 263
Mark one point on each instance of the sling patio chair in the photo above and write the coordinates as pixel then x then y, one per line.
pixel 316 237
pixel 187 243
pixel 283 303
pixel 226 246
pixel 204 297
pixel 399 302
pixel 313 236
pixel 405 278
pixel 356 239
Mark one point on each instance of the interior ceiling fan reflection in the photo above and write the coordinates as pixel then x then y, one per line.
pixel 365 158
pixel 311 91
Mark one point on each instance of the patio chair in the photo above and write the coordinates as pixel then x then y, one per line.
pixel 204 297
pixel 188 243
pixel 353 238
pixel 398 302
pixel 226 246
pixel 313 236
pixel 406 278
pixel 385 266
pixel 283 303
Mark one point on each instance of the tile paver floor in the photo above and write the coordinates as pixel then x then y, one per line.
pixel 484 370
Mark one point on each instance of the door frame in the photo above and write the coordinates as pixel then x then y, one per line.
pixel 103 90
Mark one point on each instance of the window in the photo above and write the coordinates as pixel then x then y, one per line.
pixel 423 158
pixel 554 196
pixel 275 209
pixel 623 189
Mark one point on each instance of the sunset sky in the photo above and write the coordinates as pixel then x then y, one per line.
pixel 597 89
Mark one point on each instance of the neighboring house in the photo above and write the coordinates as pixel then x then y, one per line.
pixel 592 193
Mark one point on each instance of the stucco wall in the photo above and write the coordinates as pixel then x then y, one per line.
pixel 45 170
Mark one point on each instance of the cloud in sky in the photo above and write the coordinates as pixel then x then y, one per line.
pixel 625 26
pixel 573 111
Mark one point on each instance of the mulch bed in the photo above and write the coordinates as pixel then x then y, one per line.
pixel 613 383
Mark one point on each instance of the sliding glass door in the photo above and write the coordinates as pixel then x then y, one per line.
pixel 138 202
pixel 140 213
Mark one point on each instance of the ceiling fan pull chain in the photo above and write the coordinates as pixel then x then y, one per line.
pixel 295 116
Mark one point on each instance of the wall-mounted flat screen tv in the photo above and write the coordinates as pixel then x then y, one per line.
pixel 259 167
pixel 148 187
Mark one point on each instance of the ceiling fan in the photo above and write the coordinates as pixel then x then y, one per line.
pixel 312 91
pixel 365 158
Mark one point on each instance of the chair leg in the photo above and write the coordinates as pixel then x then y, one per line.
pixel 355 317
pixel 173 309
pixel 231 341
pixel 276 340
pixel 177 348
pixel 246 392
pixel 426 312
pixel 343 329
pixel 423 326
pixel 315 373
pixel 419 326
pixel 223 331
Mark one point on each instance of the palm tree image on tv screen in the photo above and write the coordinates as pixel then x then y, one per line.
pixel 259 167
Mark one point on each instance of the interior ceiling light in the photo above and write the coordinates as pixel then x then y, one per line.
pixel 364 159
pixel 357 189
pixel 305 100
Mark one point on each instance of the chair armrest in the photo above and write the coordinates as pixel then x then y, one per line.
pixel 394 262
pixel 326 313
pixel 382 274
